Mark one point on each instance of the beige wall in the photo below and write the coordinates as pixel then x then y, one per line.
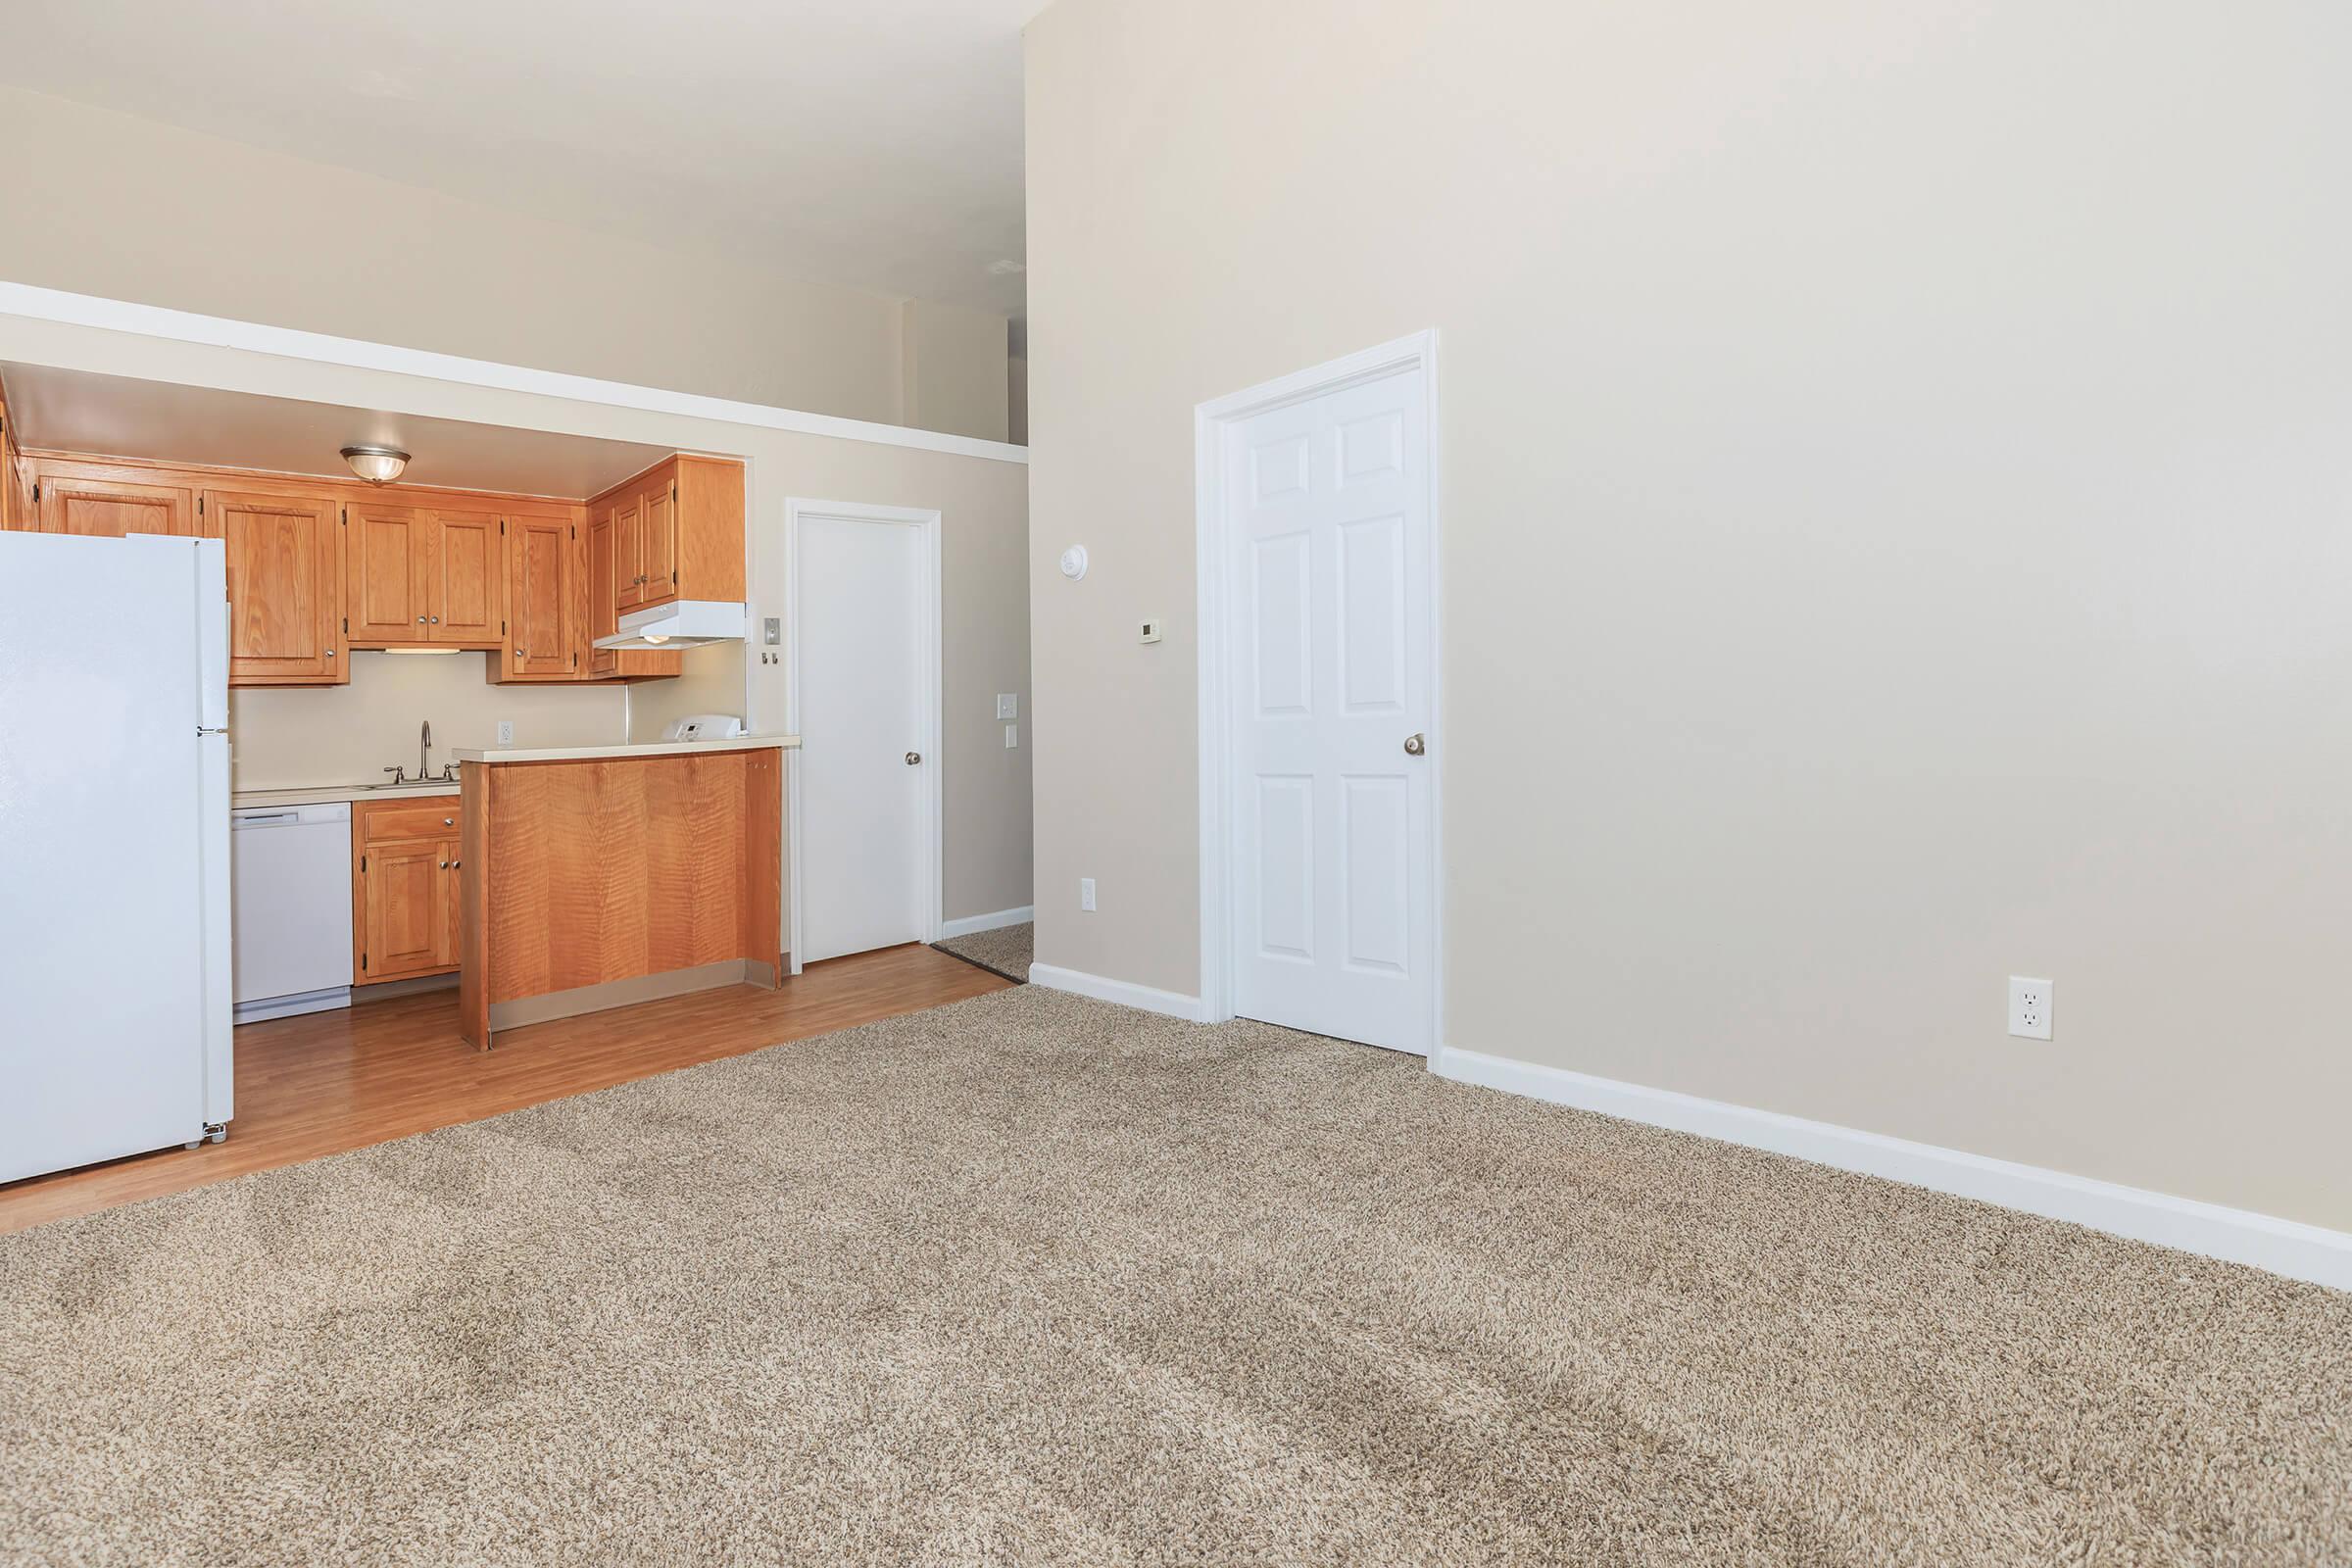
pixel 108 203
pixel 952 370
pixel 288 737
pixel 1894 516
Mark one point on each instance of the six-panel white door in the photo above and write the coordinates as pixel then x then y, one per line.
pixel 1327 532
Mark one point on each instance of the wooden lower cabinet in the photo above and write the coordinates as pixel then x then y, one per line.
pixel 406 876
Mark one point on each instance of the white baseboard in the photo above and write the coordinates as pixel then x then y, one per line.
pixel 2235 1234
pixel 1124 992
pixel 965 925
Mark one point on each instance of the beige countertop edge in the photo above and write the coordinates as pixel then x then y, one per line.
pixel 328 794
pixel 583 754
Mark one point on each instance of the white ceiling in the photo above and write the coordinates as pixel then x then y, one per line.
pixel 870 143
pixel 76 410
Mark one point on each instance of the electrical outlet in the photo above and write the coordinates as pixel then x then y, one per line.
pixel 1012 736
pixel 1008 704
pixel 1085 893
pixel 506 732
pixel 2030 1005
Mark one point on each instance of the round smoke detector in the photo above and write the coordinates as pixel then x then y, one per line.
pixel 1073 562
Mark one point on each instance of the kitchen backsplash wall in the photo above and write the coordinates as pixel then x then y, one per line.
pixel 292 737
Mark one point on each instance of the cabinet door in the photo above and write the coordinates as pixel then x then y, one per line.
pixel 453 906
pixel 628 553
pixel 603 595
pixel 658 547
pixel 387 590
pixel 108 508
pixel 283 580
pixel 468 579
pixel 405 902
pixel 541 631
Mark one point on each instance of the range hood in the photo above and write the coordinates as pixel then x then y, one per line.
pixel 680 623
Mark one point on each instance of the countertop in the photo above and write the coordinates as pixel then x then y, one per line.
pixel 584 754
pixel 328 794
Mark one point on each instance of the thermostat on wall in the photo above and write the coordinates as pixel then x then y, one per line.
pixel 1151 629
pixel 1073 562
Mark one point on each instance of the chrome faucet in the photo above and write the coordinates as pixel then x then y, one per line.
pixel 424 751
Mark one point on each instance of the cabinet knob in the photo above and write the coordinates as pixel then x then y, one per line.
pixel 420 621
pixel 444 865
pixel 449 822
pixel 436 620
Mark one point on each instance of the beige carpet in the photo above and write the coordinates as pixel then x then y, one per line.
pixel 1007 950
pixel 1033 1279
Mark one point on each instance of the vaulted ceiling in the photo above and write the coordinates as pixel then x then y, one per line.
pixel 870 143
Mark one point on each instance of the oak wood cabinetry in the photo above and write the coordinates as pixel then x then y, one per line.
pixel 678 532
pixel 15 481
pixel 603 560
pixel 406 874
pixel 423 576
pixel 103 508
pixel 319 566
pixel 544 609
pixel 285 571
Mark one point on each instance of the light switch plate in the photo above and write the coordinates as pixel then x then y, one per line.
pixel 1085 893
pixel 772 630
pixel 1008 704
pixel 1012 736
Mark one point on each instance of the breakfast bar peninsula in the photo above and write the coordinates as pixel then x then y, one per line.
pixel 594 877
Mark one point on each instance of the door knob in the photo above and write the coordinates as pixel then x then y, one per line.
pixel 913 758
pixel 1414 746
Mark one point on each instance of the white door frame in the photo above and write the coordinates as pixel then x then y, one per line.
pixel 1419 350
pixel 934 847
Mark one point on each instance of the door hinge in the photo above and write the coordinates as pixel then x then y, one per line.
pixel 575 531
pixel 362 963
pixel 363 866
pixel 36 490
pixel 200 506
pixel 346 517
pixel 502 528
pixel 673 579
pixel 346 625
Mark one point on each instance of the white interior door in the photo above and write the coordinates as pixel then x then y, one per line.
pixel 1327 565
pixel 867 676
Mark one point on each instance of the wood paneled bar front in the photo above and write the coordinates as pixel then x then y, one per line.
pixel 595 877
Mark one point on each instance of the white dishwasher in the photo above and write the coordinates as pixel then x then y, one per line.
pixel 290 909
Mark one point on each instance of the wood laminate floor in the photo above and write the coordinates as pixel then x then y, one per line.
pixel 326 1082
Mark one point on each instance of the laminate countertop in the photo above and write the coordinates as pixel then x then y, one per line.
pixel 330 794
pixel 590 754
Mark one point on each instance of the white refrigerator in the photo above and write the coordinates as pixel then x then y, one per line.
pixel 113 830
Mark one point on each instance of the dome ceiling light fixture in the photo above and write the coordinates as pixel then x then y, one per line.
pixel 376 464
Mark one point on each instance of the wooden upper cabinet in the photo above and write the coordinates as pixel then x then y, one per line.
pixel 677 533
pixel 387 573
pixel 658 543
pixel 109 509
pixel 604 594
pixel 628 553
pixel 284 580
pixel 467 573
pixel 542 580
